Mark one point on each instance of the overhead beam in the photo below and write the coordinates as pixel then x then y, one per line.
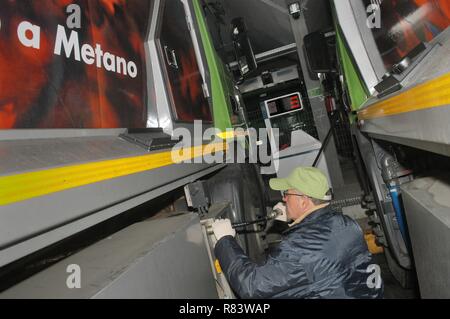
pixel 275 6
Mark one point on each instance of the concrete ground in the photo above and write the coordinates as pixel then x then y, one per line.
pixel 392 289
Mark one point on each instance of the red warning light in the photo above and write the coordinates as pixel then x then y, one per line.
pixel 284 104
pixel 295 102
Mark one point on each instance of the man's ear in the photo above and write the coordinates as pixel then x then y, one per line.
pixel 303 204
pixel 307 203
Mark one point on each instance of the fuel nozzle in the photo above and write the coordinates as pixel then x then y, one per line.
pixel 274 214
pixel 270 216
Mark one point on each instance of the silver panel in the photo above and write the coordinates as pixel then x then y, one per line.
pixel 33 134
pixel 427 129
pixel 25 155
pixel 154 65
pixel 195 39
pixel 349 22
pixel 367 37
pixel 164 258
pixel 161 112
pixel 427 208
pixel 152 100
pixel 31 225
pixel 216 211
pixel 433 65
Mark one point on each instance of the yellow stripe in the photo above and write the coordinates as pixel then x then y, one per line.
pixel 218 267
pixel 229 135
pixel 20 187
pixel 372 245
pixel 434 93
pixel 226 135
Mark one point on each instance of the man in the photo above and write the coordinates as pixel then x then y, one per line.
pixel 323 253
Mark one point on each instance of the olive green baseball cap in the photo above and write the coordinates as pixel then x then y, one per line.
pixel 309 181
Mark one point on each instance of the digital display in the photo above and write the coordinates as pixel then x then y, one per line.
pixel 284 104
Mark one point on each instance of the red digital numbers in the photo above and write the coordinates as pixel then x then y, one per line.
pixel 295 102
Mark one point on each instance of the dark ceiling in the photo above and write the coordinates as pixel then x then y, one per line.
pixel 267 20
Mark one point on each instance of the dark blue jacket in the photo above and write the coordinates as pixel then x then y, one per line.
pixel 325 256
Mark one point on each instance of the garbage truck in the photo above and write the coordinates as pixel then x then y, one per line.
pixel 92 95
pixel 388 61
pixel 110 110
pixel 123 135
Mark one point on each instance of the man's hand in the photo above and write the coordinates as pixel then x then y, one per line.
pixel 282 215
pixel 222 228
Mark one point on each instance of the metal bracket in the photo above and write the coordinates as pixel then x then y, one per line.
pixel 171 57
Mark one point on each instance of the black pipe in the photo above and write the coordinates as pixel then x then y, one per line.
pixel 245 224
pixel 334 203
pixel 324 145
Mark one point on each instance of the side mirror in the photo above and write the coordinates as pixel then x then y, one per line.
pixel 318 47
pixel 242 47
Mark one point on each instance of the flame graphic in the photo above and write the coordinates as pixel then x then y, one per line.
pixel 39 89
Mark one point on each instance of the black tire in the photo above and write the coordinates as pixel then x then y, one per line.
pixel 239 184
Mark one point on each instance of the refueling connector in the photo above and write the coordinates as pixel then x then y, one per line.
pixel 196 197
pixel 272 215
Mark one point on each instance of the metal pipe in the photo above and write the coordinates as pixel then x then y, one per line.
pixel 324 145
pixel 270 216
pixel 398 209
